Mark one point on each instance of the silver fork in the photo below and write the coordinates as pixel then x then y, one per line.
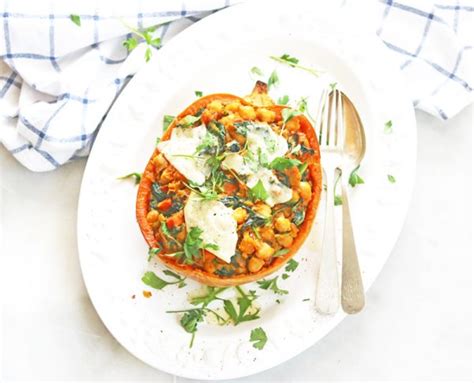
pixel 331 141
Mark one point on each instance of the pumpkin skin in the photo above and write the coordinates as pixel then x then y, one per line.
pixel 201 275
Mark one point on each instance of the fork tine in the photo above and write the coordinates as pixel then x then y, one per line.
pixel 325 121
pixel 332 134
pixel 319 115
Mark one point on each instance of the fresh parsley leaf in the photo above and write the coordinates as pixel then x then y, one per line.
pixel 283 100
pixel 258 192
pixel 292 61
pixel 131 43
pixel 302 167
pixel 76 19
pixel 211 295
pixel 288 114
pixel 191 318
pixel 354 178
pixel 148 54
pixel 273 80
pixel 258 337
pixel 203 191
pixel 271 284
pixel 152 252
pixel 137 177
pixel 391 178
pixel 388 127
pixel 198 93
pixel 337 200
pixel 167 120
pixel 152 280
pixel 291 265
pixel 147 36
pixel 283 163
pixel 281 252
pixel 170 273
pixel 333 85
pixel 285 276
pixel 193 244
pixel 302 105
pixel 257 71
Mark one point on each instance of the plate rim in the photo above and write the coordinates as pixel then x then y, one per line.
pixel 81 203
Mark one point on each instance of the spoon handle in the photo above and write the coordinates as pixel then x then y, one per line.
pixel 327 293
pixel 352 289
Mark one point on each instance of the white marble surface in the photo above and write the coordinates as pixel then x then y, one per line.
pixel 417 324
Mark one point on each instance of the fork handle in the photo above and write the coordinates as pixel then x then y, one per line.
pixel 327 293
pixel 352 290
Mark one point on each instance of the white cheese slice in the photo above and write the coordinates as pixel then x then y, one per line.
pixel 236 162
pixel 261 138
pixel 216 222
pixel 277 191
pixel 183 142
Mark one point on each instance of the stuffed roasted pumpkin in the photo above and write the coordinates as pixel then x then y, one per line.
pixel 231 191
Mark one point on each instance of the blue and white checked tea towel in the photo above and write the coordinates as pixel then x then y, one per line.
pixel 58 79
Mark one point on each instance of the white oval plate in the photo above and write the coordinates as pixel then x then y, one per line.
pixel 215 55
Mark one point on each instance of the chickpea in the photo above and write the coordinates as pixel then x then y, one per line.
pixel 293 125
pixel 263 210
pixel 265 251
pixel 152 216
pixel 255 264
pixel 247 112
pixel 167 176
pixel 267 234
pixel 228 120
pixel 247 244
pixel 305 191
pixel 215 106
pixel 282 224
pixel 285 240
pixel 266 115
pixel 233 106
pixel 240 215
pixel 160 162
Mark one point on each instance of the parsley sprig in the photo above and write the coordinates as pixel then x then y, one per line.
pixel 294 63
pixel 244 302
pixel 243 312
pixel 152 280
pixel 146 36
pixel 76 19
pixel 137 177
pixel 354 178
pixel 271 284
pixel 259 338
pixel 194 245
pixel 193 316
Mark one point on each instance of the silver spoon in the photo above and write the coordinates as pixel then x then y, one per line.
pixel 352 288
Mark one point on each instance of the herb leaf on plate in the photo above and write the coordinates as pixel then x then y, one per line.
pixel 271 284
pixel 354 178
pixel 258 337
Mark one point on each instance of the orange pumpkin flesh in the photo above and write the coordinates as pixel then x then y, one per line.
pixel 201 275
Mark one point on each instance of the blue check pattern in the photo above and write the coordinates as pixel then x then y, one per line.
pixel 53 111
